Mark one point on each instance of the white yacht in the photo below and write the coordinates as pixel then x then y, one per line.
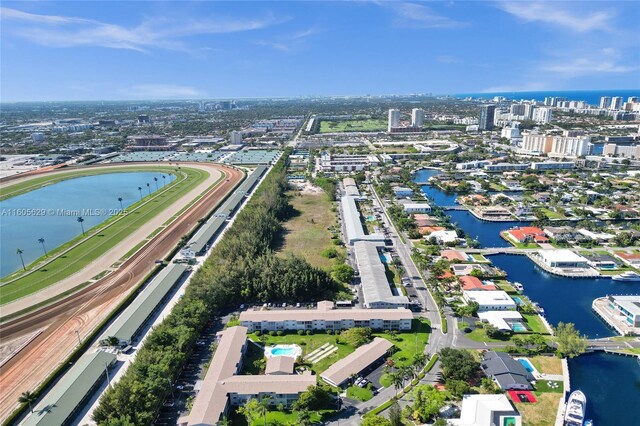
pixel 575 409
pixel 627 276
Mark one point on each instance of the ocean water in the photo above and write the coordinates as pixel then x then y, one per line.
pixel 592 97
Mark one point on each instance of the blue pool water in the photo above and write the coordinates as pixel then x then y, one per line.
pixel 385 258
pixel 283 351
pixel 526 364
pixel 516 326
pixel 51 216
pixel 517 300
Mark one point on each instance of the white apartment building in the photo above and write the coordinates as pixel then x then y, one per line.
pixel 417 117
pixel 542 115
pixel 552 165
pixel 616 103
pixel 605 102
pixel 495 300
pixel 236 137
pixel 326 317
pixel 564 146
pixel 394 119
pixel 626 151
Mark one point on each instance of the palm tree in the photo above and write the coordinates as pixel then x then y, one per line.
pixel 397 381
pixel 19 253
pixel 80 220
pixel 41 241
pixel 140 190
pixel 27 398
pixel 120 200
pixel 149 188
pixel 264 407
pixel 304 417
pixel 163 180
pixel 156 181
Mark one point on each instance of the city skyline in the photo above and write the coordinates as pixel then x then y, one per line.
pixel 147 50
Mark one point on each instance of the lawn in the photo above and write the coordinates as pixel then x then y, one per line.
pixel 541 413
pixel 251 363
pixel 535 323
pixel 409 343
pixel 479 258
pixel 366 125
pixel 551 214
pixel 306 233
pixel 547 364
pixel 100 239
pixel 385 380
pixel 360 394
pixel 542 386
pixel 275 417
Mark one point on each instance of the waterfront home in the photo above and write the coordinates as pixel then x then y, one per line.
pixel 562 258
pixel 560 233
pixel 494 212
pixel 497 300
pixel 601 261
pixel 596 236
pixel 541 197
pixel 527 234
pixel 631 259
pixel 444 237
pixel 506 372
pixel 502 320
pixel 522 210
pixel 512 185
pixel 484 410
pixel 416 207
pixel 427 230
pixel 482 270
pixel 402 192
pixel 455 255
pixel 627 307
pixel 470 283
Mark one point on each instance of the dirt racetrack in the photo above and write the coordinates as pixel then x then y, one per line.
pixel 77 315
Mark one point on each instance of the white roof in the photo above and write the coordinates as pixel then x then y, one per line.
pixel 630 303
pixel 497 318
pixel 325 312
pixel 375 286
pixel 444 235
pixel 352 222
pixel 562 255
pixel 478 410
pixel 416 206
pixel 489 298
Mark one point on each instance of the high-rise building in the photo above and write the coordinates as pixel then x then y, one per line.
pixel 536 143
pixel 528 110
pixel 517 109
pixel 633 99
pixel 236 138
pixel 487 113
pixel 417 117
pixel 605 102
pixel 394 119
pixel 616 103
pixel 542 115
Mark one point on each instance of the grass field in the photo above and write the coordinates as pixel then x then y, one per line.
pixel 551 214
pixel 85 249
pixel 547 364
pixel 360 394
pixel 535 323
pixel 366 125
pixel 541 413
pixel 306 234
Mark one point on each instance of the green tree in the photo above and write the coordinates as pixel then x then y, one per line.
pixel 356 336
pixel 19 253
pixel 458 388
pixel 397 380
pixel 303 417
pixel 313 399
pixel 375 421
pixel 28 398
pixel 80 220
pixel 395 415
pixel 458 364
pixel 41 241
pixel 250 410
pixel 569 340
pixel 342 273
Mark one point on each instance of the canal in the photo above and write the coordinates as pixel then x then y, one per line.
pixel 52 212
pixel 566 300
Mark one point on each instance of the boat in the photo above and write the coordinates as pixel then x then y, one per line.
pixel 575 409
pixel 588 422
pixel 518 286
pixel 627 276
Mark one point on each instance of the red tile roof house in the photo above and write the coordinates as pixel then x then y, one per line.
pixel 528 233
pixel 454 255
pixel 470 283
pixel 631 259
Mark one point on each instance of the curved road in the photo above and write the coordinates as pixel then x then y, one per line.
pixel 76 316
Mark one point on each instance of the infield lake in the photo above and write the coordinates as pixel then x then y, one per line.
pixel 52 212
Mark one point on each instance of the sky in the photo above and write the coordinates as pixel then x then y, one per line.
pixel 129 50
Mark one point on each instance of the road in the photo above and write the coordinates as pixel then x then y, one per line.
pixel 75 317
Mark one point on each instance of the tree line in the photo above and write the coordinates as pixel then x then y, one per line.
pixel 241 269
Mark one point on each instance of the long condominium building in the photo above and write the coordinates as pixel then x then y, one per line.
pixel 326 317
pixel 376 291
pixel 353 226
pixel 223 387
pixel 559 146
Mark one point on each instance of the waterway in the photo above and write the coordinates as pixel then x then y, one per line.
pixel 52 212
pixel 609 381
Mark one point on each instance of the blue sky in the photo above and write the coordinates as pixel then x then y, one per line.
pixel 160 50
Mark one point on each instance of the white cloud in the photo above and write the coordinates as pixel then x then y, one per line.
pixel 556 13
pixel 164 33
pixel 585 66
pixel 291 42
pixel 161 91
pixel 518 87
pixel 414 15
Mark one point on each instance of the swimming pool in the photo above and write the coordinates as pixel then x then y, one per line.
pixel 517 300
pixel 384 257
pixel 292 351
pixel 526 364
pixel 518 326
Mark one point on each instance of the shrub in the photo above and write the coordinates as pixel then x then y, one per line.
pixel 309 332
pixel 300 332
pixel 272 333
pixel 258 333
pixel 329 331
pixel 280 333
